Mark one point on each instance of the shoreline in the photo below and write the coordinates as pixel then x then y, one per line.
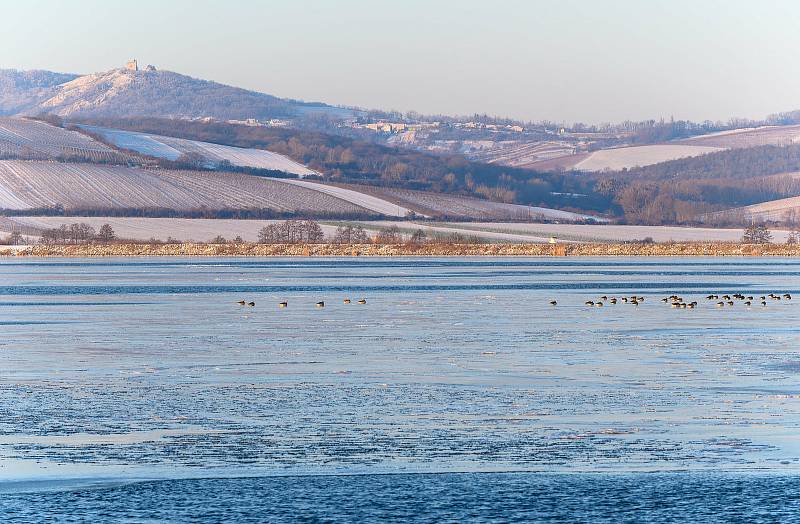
pixel 676 249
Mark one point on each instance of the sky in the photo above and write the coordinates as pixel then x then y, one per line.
pixel 589 61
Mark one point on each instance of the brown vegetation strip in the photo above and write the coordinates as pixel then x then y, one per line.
pixel 390 250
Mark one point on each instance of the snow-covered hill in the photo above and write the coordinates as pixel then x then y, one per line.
pixel 21 90
pixel 170 148
pixel 149 92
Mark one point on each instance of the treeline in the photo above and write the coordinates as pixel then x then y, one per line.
pixel 692 190
pixel 310 232
pixel 733 163
pixel 304 231
pixel 78 233
pixel 346 160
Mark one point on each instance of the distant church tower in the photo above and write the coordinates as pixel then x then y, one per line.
pixel 133 65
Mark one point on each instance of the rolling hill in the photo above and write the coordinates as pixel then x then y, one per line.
pixel 52 168
pixel 34 140
pixel 146 92
pixel 35 184
pixel 454 206
pixel 779 210
pixel 21 90
pixel 170 148
pixel 618 158
pixel 42 185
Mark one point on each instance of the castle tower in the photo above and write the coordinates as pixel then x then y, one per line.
pixel 133 65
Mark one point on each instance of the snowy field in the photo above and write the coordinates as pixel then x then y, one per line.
pixel 25 185
pixel 172 148
pixel 749 137
pixel 205 229
pixel 778 210
pixel 29 138
pixel 364 200
pixel 436 204
pixel 530 232
pixel 628 157
pixel 184 229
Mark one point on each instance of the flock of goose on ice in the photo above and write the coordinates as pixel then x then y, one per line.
pixel 678 302
pixel 285 303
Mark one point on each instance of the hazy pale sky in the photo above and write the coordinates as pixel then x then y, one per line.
pixel 563 60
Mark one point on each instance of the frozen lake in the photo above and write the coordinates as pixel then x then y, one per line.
pixel 126 369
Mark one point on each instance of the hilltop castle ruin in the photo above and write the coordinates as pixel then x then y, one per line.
pixel 133 65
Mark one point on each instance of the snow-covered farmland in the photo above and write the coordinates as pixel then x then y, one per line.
pixel 748 137
pixel 137 142
pixel 25 185
pixel 205 229
pixel 172 148
pixel 25 138
pixel 184 229
pixel 373 203
pixel 628 157
pixel 436 204
pixel 516 154
pixel 773 210
pixel 528 232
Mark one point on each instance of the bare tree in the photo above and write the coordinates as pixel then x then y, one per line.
pixel 344 235
pixel 106 233
pixel 292 232
pixel 391 235
pixel 360 236
pixel 757 234
pixel 313 232
pixel 15 238
pixel 419 237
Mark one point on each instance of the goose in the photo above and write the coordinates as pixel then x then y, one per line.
pixel 691 305
pixel 589 303
pixel 665 300
pixel 241 302
pixel 730 303
pixel 613 300
pixel 787 296
pixel 347 301
pixel 763 303
pixel 283 304
pixel 251 304
pixel 598 304
pixel 320 304
pixel 748 303
pixel 720 304
pixel 362 301
pixel 553 303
